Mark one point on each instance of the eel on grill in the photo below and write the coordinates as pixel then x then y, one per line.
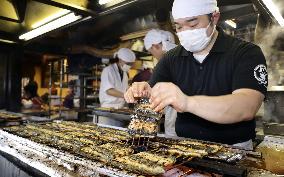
pixel 144 121
pixel 106 152
pixel 138 164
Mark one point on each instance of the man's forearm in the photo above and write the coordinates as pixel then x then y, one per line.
pixel 115 93
pixel 226 109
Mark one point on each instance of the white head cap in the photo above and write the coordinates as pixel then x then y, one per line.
pixel 148 65
pixel 126 55
pixel 169 36
pixel 193 8
pixel 156 36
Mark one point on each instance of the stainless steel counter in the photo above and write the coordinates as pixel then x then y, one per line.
pixel 122 116
pixel 52 162
pixel 49 161
pixel 8 169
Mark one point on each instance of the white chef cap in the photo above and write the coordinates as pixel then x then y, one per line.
pixel 170 37
pixel 125 54
pixel 193 8
pixel 156 36
pixel 148 65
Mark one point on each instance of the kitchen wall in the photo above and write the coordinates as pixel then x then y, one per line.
pixel 38 79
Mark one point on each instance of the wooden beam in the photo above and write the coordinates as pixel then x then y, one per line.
pixel 77 9
pixel 263 11
pixel 246 10
pixel 9 19
pixel 20 8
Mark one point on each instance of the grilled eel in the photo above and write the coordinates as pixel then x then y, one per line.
pixel 55 138
pixel 14 129
pixel 178 150
pixel 73 133
pixel 86 139
pixel 190 144
pixel 61 142
pixel 142 127
pixel 78 125
pixel 144 121
pixel 209 148
pixel 8 116
pixel 101 133
pixel 157 158
pixel 137 164
pixel 143 110
pixel 106 152
pixel 186 151
pixel 95 134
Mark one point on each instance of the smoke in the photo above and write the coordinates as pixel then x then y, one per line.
pixel 275 61
pixel 269 44
pixel 269 37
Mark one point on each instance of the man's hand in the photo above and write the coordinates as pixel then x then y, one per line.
pixel 165 94
pixel 137 90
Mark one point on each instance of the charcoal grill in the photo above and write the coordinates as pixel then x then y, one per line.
pixel 53 162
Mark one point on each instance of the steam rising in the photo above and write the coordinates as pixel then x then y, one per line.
pixel 272 55
pixel 275 60
pixel 267 43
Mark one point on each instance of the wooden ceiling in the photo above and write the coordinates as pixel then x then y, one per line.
pixel 104 25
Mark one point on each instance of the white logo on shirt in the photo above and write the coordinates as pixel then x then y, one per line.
pixel 260 74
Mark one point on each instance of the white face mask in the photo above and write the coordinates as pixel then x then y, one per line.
pixel 125 67
pixel 195 40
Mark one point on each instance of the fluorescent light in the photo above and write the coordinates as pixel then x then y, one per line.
pixel 7 41
pixel 62 21
pixel 274 11
pixel 50 18
pixel 231 23
pixel 102 2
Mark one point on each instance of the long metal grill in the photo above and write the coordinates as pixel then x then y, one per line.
pixel 115 148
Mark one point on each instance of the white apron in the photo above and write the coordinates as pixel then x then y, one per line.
pixel 110 78
pixel 170 121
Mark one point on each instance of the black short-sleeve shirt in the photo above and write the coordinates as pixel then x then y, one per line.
pixel 231 64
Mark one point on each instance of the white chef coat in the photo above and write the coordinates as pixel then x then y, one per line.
pixel 156 36
pixel 110 78
pixel 170 121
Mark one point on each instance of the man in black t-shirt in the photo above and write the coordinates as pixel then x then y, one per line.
pixel 216 82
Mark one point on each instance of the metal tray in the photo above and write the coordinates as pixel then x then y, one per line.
pixel 273 129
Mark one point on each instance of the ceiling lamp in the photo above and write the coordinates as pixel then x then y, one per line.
pixel 7 41
pixel 274 11
pixel 102 2
pixel 231 23
pixel 51 18
pixel 52 25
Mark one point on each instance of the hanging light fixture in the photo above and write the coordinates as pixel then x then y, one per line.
pixel 50 18
pixel 7 41
pixel 52 25
pixel 102 2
